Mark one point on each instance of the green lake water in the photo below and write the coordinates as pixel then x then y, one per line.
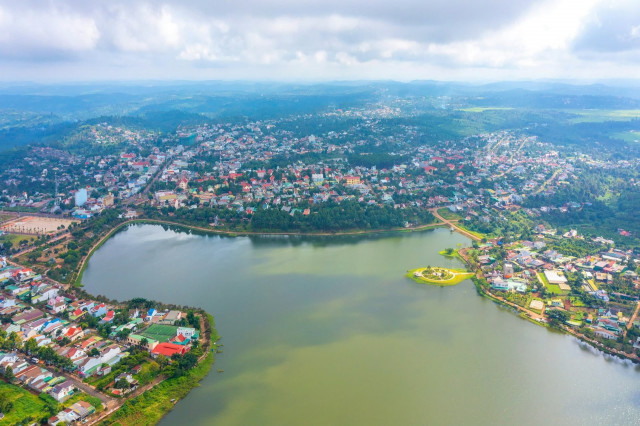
pixel 328 331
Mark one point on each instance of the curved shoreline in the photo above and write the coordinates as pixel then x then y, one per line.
pixel 76 279
pixel 490 296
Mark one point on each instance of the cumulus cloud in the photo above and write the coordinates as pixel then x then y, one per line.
pixel 313 39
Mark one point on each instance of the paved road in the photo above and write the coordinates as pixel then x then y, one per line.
pixel 107 401
pixel 454 225
pixel 547 182
pixel 630 323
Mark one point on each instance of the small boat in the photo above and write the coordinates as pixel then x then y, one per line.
pixel 220 371
pixel 452 229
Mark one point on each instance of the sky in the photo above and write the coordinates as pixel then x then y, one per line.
pixel 316 40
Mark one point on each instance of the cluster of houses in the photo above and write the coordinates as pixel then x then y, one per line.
pixel 36 377
pixel 75 413
pixel 530 266
pixel 40 311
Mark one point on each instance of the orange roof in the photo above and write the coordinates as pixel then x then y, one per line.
pixel 168 349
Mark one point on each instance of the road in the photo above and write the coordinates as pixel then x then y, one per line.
pixel 107 401
pixel 454 225
pixel 546 182
pixel 630 323
pixel 139 198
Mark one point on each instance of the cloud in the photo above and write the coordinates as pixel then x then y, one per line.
pixel 613 27
pixel 41 33
pixel 314 39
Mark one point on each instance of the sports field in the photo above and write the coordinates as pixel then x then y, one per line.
pixel 159 332
pixel 36 225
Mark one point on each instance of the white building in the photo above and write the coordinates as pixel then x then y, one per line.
pixel 81 197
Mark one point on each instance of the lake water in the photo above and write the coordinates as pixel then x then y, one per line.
pixel 328 331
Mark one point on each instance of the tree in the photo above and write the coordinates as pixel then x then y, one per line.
pixel 5 401
pixel 122 384
pixel 30 346
pixel 8 374
pixel 94 352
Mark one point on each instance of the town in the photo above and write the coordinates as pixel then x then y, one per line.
pixel 545 242
pixel 83 356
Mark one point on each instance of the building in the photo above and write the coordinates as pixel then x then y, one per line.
pixel 108 200
pixel 81 197
pixel 352 180
pixel 168 349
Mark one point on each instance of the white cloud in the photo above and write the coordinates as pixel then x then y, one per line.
pixel 326 39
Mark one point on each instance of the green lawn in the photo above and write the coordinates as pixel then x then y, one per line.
pixel 477 234
pixel 448 214
pixel 27 408
pixel 459 275
pixel 577 302
pixel 15 239
pixel 453 254
pixel 552 289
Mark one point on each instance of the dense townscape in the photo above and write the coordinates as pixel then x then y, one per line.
pixel 553 224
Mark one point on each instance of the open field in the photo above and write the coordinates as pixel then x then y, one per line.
pixel 36 225
pixel 16 238
pixel 632 136
pixel 602 115
pixel 553 289
pixel 448 214
pixel 25 406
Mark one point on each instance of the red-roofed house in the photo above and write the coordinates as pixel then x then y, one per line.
pixel 169 349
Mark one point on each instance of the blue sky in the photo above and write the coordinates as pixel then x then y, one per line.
pixel 469 40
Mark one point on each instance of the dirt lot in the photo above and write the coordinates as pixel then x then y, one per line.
pixel 36 225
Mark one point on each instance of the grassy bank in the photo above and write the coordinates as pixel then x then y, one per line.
pixel 27 408
pixel 149 407
pixel 453 254
pixel 78 280
pixel 456 276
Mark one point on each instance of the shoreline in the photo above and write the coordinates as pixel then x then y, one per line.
pixel 76 280
pixel 194 382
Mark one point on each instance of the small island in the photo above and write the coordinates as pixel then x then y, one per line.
pixel 439 276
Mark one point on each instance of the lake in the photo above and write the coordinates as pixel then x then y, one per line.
pixel 329 331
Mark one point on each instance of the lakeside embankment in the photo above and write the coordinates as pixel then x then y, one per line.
pixel 160 397
pixel 77 277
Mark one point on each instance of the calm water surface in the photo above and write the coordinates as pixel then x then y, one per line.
pixel 328 331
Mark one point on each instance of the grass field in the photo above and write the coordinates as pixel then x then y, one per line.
pixel 553 289
pixel 27 408
pixel 161 333
pixel 448 214
pixel 602 115
pixel 15 239
pixel 632 136
pixel 477 234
